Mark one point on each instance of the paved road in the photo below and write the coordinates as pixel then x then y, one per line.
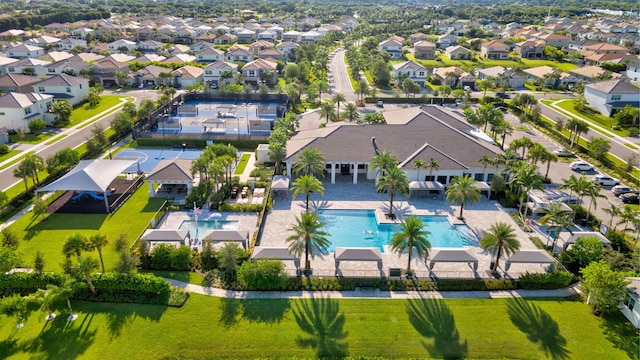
pixel 74 138
pixel 339 77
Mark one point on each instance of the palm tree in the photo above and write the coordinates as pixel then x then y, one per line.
pixel 627 215
pixel 86 266
pixel 97 241
pixel 613 210
pixel 593 192
pixel 351 112
pixel 411 236
pixel 548 157
pixel 307 184
pixel 523 143
pixel 310 162
pixel 419 164
pixel 463 190
pixel 525 179
pixel 327 112
pixel 323 88
pixel 501 238
pixel 277 152
pixel 577 185
pixel 74 245
pixel 308 237
pixel 383 161
pixel 22 171
pixel 337 99
pixel 485 161
pixel 362 89
pixel 536 153
pixel 394 179
pixel 558 219
pixel 433 165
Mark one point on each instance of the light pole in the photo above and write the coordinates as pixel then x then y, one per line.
pixel 246 111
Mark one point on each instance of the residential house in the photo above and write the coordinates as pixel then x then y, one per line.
pixel 392 47
pixel 200 45
pixel 447 40
pixel 246 36
pixel 180 58
pixel 417 37
pixel 73 89
pixel 6 61
pixel 268 35
pixel 238 53
pixel 291 36
pixel 455 77
pixel 633 71
pixel 309 37
pixel 457 52
pixel 187 76
pixel 530 49
pixel 148 46
pixel 104 70
pixel 498 73
pixel 494 49
pixel 184 36
pixel 219 71
pixel 427 132
pixel 226 39
pixel 288 48
pixel 18 110
pixel 272 54
pixel 121 45
pixel 544 75
pixel 17 83
pixel 144 34
pixel 81 33
pixel 609 96
pixel 589 74
pixel 630 304
pixel 43 41
pixel 149 76
pixel 56 28
pixel 425 50
pixel 410 70
pixel 556 40
pixel 69 43
pixel 260 70
pixel 149 58
pixel 260 45
pixel 22 51
pixel 209 55
pixel 55 56
pixel 72 66
pixel 28 66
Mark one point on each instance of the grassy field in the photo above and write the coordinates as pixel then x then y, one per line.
pixel 601 120
pixel 208 328
pixel 242 164
pixel 31 138
pixel 85 112
pixel 9 155
pixel 48 236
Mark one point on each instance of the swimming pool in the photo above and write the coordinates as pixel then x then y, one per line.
pixel 359 228
pixel 206 225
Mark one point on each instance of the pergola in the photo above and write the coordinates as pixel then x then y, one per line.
pixel 280 253
pixel 280 183
pixel 570 239
pixel 170 172
pixel 425 188
pixel 530 257
pixel 219 236
pixel 91 176
pixel 453 256
pixel 172 237
pixel 357 254
pixel 484 188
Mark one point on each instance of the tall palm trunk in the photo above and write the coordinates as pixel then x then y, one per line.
pixel 69 306
pixel 87 276
pixel 99 248
pixel 307 264
pixel 409 261
pixel 391 196
pixel 495 264
pixel 461 207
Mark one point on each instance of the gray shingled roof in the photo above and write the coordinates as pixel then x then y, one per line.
pixel 614 86
pixel 63 80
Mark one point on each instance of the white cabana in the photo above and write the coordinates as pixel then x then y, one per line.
pixel 425 188
pixel 280 183
pixel 570 239
pixel 172 237
pixel 484 188
pixel 530 257
pixel 90 175
pixel 219 236
pixel 357 254
pixel 280 253
pixel 452 256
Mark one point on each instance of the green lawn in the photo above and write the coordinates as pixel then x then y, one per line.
pixel 242 164
pixel 9 155
pixel 60 137
pixel 48 236
pixel 208 328
pixel 184 276
pixel 31 138
pixel 85 112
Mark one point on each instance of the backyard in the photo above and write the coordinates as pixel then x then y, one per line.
pixel 209 327
pixel 485 63
pixel 49 235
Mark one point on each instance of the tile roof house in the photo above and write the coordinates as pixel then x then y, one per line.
pixel 633 71
pixel 309 37
pixel 180 58
pixel 260 45
pixel 412 133
pixel 149 76
pixel 27 65
pixel 288 47
pixel 410 70
pixel 187 76
pixel 530 49
pixel 69 43
pixel 291 36
pixel 272 54
pixel 54 56
pixel 457 52
pixel 259 70
pixel 417 37
pixel 611 95
pixel 589 74
pixel 447 40
pixel 103 71
pixel 18 110
pixel 461 79
pixel 494 49
pixel 555 40
pixel 226 39
pixel 73 89
pixel 391 46
pixel 120 45
pixel 238 53
pixel 219 71
pixel 425 50
pixel 516 81
pixel 209 55
pixel 22 50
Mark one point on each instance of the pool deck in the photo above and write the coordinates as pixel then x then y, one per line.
pixel 345 195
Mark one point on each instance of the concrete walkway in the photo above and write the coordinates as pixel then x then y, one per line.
pixel 373 294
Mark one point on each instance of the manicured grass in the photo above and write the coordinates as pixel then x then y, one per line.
pixel 60 137
pixel 48 236
pixel 631 146
pixel 31 138
pixel 208 328
pixel 9 155
pixel 184 276
pixel 85 112
pixel 242 164
pixel 19 187
pixel 601 120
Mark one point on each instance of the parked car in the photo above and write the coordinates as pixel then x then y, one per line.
pixel 503 95
pixel 606 180
pixel 581 166
pixel 380 104
pixel 563 153
pixel 630 198
pixel 569 200
pixel 622 189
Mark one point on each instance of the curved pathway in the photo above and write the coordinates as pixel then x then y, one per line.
pixel 372 294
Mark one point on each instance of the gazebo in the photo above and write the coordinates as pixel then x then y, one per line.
pixel 425 188
pixel 220 236
pixel 173 177
pixel 453 256
pixel 530 257
pixel 280 253
pixel 280 183
pixel 357 254
pixel 90 176
pixel 175 238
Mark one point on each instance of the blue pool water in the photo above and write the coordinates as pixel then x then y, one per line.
pixel 205 225
pixel 359 228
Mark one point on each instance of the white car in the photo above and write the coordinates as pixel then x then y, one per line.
pixel 605 180
pixel 581 166
pixel 563 153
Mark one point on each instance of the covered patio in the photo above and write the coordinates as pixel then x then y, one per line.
pixel 174 238
pixel 280 253
pixel 571 238
pixel 171 178
pixel 359 254
pixel 453 256
pixel 426 188
pixel 224 236
pixel 280 183
pixel 530 257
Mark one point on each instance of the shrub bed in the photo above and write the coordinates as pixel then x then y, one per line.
pixel 27 283
pixel 555 280
pixel 127 288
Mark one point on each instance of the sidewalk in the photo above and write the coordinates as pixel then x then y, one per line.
pixel 373 294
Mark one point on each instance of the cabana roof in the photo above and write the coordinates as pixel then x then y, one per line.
pixel 529 257
pixel 452 256
pixel 357 254
pixel 89 175
pixel 569 239
pixel 166 235
pixel 425 185
pixel 273 253
pixel 226 235
pixel 280 182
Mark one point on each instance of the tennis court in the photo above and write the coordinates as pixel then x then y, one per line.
pixel 149 158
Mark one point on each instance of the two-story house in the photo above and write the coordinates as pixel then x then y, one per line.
pixel 260 70
pixel 410 70
pixel 425 50
pixel 288 48
pixel 392 47
pixel 246 36
pixel 28 66
pixel 226 39
pixel 121 45
pixel 500 74
pixel 291 36
pixel 18 110
pixel 447 40
pixel 218 72
pixel 457 52
pixel 556 40
pixel 530 49
pixel 238 53
pixel 310 37
pixel 209 55
pixel 17 83
pixel 73 89
pixel 455 77
pixel 417 37
pixel 187 76
pixel 148 76
pixel 104 70
pixel 272 54
pixel 22 51
pixel 611 95
pixel 494 49
pixel 69 43
pixel 260 45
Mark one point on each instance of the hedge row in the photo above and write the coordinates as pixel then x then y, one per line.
pixel 27 283
pixel 127 288
pixel 199 143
